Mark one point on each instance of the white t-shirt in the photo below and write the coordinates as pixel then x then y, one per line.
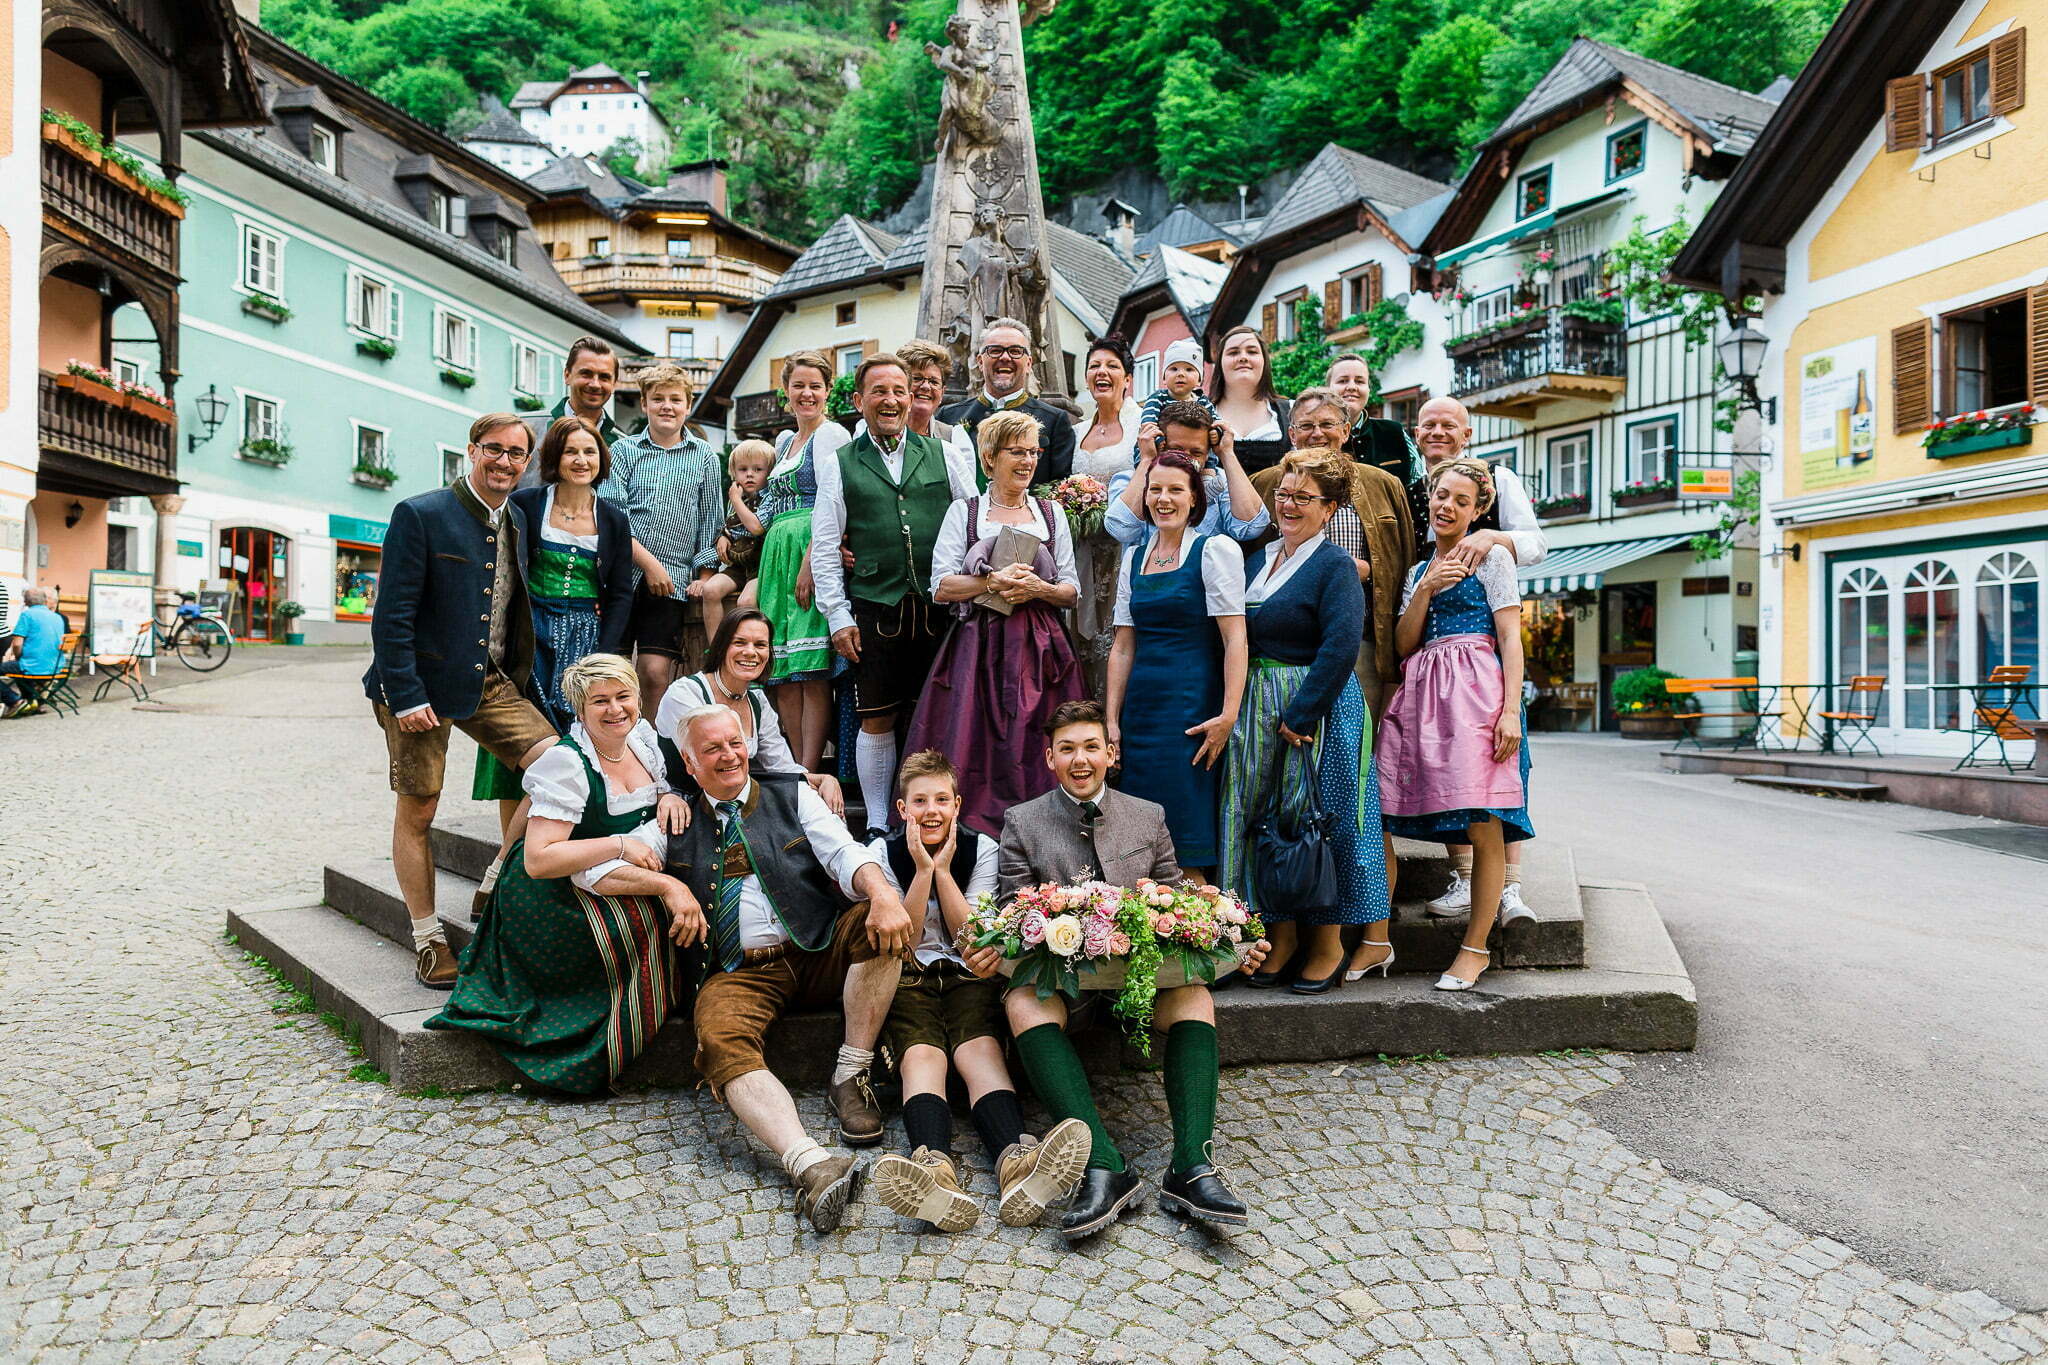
pixel 1222 576
pixel 937 945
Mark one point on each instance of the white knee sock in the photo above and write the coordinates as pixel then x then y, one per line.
pixel 802 1157
pixel 490 880
pixel 850 1063
pixel 874 758
pixel 428 930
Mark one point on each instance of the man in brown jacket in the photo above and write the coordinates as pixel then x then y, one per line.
pixel 1377 531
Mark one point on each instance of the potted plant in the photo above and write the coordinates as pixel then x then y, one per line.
pixel 1566 505
pixel 144 401
pixel 1646 709
pixel 526 402
pixel 270 450
pixel 374 475
pixel 1970 433
pixel 377 348
pixel 73 136
pixel 460 379
pixel 90 381
pixel 259 304
pixel 1643 492
pixel 289 612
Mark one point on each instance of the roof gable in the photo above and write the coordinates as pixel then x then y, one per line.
pixel 1340 178
pixel 848 251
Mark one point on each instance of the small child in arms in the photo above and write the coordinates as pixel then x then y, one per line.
pixel 739 542
pixel 1180 382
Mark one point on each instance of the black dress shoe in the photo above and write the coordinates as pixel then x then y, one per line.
pixel 1302 985
pixel 1285 972
pixel 1101 1199
pixel 1199 1192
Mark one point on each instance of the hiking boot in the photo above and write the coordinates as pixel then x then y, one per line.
pixel 925 1185
pixel 823 1189
pixel 1034 1173
pixel 859 1114
pixel 435 968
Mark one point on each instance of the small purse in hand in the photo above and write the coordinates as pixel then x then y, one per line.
pixel 1294 860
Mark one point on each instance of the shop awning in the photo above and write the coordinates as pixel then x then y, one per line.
pixel 1528 227
pixel 1583 566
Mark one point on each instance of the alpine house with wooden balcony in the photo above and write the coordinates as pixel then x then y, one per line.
pixel 1599 405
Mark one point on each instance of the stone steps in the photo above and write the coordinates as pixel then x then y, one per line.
pixel 1816 786
pixel 1631 993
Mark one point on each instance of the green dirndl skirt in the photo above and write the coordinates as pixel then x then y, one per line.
pixel 569 985
pixel 803 639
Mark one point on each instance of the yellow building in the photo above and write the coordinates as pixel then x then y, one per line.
pixel 1894 218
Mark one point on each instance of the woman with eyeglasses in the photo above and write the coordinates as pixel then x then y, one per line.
pixel 1245 400
pixel 1303 740
pixel 1373 525
pixel 1007 664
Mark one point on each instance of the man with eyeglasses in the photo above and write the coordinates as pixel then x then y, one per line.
pixel 1005 364
pixel 453 645
pixel 1373 528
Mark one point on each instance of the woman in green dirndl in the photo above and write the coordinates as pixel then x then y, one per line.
pixel 574 966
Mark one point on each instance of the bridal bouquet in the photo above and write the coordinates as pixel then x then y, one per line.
pixel 1094 936
pixel 1084 497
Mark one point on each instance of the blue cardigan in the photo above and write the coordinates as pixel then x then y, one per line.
pixel 1316 618
pixel 614 563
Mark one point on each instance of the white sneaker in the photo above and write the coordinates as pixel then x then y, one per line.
pixel 1512 907
pixel 1455 901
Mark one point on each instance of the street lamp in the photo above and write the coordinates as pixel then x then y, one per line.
pixel 213 410
pixel 1741 354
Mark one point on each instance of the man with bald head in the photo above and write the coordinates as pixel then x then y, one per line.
pixel 1443 428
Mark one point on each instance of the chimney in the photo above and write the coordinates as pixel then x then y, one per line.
pixel 247 10
pixel 704 180
pixel 1123 227
pixel 640 84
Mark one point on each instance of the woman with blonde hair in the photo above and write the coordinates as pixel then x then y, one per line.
pixel 1008 662
pixel 1299 761
pixel 572 972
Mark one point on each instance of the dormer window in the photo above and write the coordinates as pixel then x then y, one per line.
pixel 441 210
pixel 434 194
pixel 324 148
pixel 313 124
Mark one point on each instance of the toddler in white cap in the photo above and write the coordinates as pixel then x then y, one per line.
pixel 1180 374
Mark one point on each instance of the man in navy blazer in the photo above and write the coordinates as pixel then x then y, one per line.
pixel 453 640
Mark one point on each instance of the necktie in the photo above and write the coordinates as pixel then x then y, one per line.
pixel 725 897
pixel 1090 813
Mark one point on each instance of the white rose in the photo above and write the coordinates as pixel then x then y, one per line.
pixel 1064 935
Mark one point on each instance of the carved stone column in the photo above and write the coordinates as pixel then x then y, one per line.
pixel 167 507
pixel 986 257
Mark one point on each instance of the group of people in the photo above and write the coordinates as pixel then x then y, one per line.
pixel 1313 642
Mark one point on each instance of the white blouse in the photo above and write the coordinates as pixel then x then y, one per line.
pixel 949 552
pixel 766 744
pixel 560 787
pixel 1275 575
pixel 824 441
pixel 1222 576
pixel 555 534
pixel 1496 575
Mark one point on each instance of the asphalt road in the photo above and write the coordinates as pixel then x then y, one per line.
pixel 1873 1015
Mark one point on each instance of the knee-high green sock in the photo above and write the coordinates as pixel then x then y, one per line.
pixel 1191 1071
pixel 1056 1075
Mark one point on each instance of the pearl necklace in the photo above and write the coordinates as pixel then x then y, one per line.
pixel 619 757
pixel 995 501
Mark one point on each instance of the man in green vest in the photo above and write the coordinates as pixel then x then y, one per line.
pixel 885 493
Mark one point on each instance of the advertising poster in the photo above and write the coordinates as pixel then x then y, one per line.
pixel 118 610
pixel 1838 415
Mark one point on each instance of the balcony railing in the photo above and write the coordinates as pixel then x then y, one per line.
pixel 109 208
pixel 648 273
pixel 758 412
pixel 83 422
pixel 1516 370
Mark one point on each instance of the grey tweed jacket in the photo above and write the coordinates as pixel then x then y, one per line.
pixel 1045 840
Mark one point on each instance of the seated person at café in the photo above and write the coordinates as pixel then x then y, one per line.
pixel 774 871
pixel 1086 830
pixel 943 1012
pixel 569 974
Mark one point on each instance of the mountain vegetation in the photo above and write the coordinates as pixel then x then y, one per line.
pixel 829 106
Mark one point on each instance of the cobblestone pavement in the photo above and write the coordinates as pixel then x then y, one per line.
pixel 190 1175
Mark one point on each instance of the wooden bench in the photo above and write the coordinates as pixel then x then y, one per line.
pixel 1746 722
pixel 1570 700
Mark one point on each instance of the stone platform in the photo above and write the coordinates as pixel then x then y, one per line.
pixel 1596 970
pixel 1936 783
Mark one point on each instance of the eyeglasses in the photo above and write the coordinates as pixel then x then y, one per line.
pixel 1021 452
pixel 493 451
pixel 1013 352
pixel 1318 429
pixel 1299 499
pixel 927 384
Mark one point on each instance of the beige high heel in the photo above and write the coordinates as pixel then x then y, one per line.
pixel 1447 982
pixel 1383 966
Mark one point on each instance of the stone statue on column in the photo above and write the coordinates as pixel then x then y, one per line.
pixel 986 257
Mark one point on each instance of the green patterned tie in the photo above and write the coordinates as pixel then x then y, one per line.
pixel 725 898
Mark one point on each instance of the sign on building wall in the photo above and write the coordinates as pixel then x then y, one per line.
pixel 1838 415
pixel 652 309
pixel 118 610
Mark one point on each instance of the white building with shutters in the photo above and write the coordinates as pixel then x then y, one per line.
pixel 1903 262
pixel 586 112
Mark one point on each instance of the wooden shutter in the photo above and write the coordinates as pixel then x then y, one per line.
pixel 1374 285
pixel 2037 344
pixel 1269 323
pixel 2009 72
pixel 1333 305
pixel 868 348
pixel 775 369
pixel 1905 114
pixel 1912 377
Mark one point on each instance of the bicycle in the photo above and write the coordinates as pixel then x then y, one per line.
pixel 198 637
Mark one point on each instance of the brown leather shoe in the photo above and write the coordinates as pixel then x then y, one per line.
pixel 860 1115
pixel 926 1186
pixel 823 1189
pixel 1034 1174
pixel 435 968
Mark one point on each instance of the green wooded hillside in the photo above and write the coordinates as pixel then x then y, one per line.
pixel 821 113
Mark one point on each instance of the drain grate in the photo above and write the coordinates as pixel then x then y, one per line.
pixel 2021 841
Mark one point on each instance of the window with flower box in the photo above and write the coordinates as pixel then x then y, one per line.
pixel 262 261
pixel 454 339
pixel 1568 466
pixel 373 305
pixel 1532 193
pixel 373 456
pixel 1625 152
pixel 1653 452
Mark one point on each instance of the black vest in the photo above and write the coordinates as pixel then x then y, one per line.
pixel 966 848
pixel 806 899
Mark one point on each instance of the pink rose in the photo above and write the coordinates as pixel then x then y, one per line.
pixel 1032 930
pixel 1095 941
pixel 1119 942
